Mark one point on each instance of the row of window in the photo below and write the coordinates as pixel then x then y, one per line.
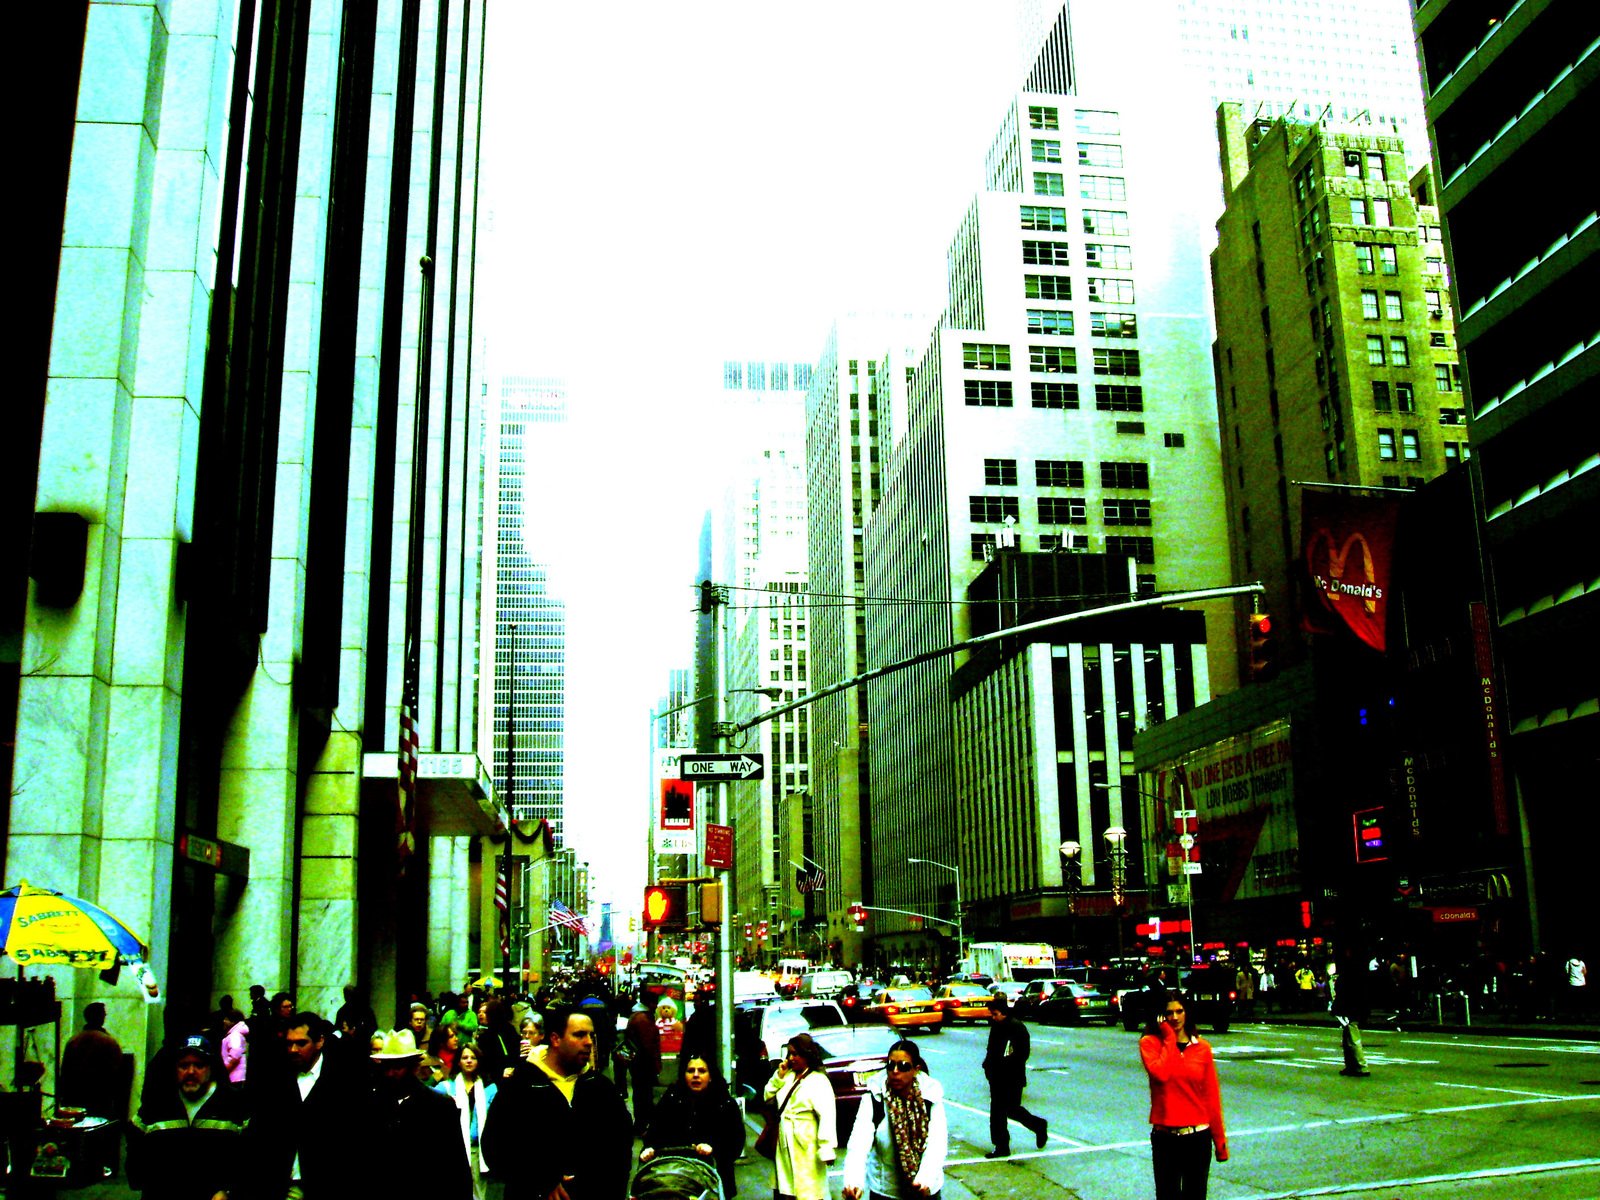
pixel 1138 547
pixel 1108 397
pixel 1103 289
pixel 1057 360
pixel 1062 510
pixel 1099 221
pixel 1067 473
pixel 1410 445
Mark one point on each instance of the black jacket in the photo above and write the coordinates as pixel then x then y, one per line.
pixel 326 1127
pixel 534 1137
pixel 171 1157
pixel 683 1120
pixel 1006 1059
pixel 416 1138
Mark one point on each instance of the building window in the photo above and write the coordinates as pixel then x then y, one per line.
pixel 985 356
pixel 1049 183
pixel 1099 122
pixel 1099 154
pixel 1392 308
pixel 1363 258
pixel 1388 261
pixel 1380 213
pixel 1054 360
pixel 1063 510
pixel 1058 472
pixel 756 374
pixel 1386 445
pixel 988 393
pixel 1140 549
pixel 1054 395
pixel 1399 352
pixel 1043 117
pixel 1047 287
pixel 1375 167
pixel 1405 398
pixel 1000 472
pixel 1126 512
pixel 1105 222
pixel 1118 397
pixel 1133 475
pixel 1444 377
pixel 1380 396
pixel 1100 187
pixel 1045 254
pixel 1456 453
pixel 992 510
pixel 1410 448
pixel 1049 320
pixel 1046 151
pixel 1116 362
pixel 1035 216
pixel 1352 164
pixel 983 546
pixel 1431 299
pixel 1114 324
pixel 732 375
pixel 1109 290
pixel 1172 441
pixel 1437 340
pixel 1369 304
pixel 1374 350
pixel 1358 210
pixel 1108 256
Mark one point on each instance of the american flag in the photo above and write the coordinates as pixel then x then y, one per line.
pixel 810 881
pixel 406 816
pixel 560 914
pixel 502 905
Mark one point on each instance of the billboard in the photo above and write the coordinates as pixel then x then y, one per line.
pixel 1241 790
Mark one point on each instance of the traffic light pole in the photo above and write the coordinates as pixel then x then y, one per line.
pixel 724 931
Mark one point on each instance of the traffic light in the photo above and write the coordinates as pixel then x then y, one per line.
pixel 761 932
pixel 711 904
pixel 708 596
pixel 666 906
pixel 1263 647
pixel 858 914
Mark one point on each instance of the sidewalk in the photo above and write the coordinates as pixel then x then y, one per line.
pixel 1582 1027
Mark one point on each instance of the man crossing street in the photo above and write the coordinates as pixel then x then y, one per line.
pixel 1005 1066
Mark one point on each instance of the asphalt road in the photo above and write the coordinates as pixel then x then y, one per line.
pixel 1459 1115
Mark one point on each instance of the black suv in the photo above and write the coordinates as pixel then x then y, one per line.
pixel 1211 991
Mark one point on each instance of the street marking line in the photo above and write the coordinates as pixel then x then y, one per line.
pixel 1545 1045
pixel 1476 1087
pixel 984 1112
pixel 1346 1189
pixel 1455 1108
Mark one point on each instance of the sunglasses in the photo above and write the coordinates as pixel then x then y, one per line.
pixel 902 1066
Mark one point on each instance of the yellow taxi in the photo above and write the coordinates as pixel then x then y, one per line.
pixel 906 1008
pixel 963 1002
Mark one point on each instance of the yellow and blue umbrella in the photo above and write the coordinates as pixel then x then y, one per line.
pixel 39 927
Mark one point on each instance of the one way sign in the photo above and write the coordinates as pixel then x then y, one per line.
pixel 709 768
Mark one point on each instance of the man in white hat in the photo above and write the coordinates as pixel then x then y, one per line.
pixel 419 1124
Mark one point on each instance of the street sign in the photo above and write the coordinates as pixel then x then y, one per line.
pixel 1191 868
pixel 672 841
pixel 719 846
pixel 710 768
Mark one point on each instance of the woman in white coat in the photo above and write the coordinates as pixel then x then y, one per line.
pixel 472 1097
pixel 901 1136
pixel 808 1132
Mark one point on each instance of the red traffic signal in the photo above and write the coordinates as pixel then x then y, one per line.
pixel 1263 645
pixel 666 906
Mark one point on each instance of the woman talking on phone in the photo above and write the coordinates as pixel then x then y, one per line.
pixel 1185 1104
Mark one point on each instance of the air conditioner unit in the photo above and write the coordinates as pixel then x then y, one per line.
pixel 1436 313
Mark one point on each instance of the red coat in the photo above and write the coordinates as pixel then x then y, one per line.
pixel 1183 1085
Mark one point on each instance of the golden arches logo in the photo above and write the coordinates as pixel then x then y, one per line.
pixel 1333 585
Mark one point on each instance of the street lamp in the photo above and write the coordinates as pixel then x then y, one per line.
pixel 1117 851
pixel 1071 881
pixel 961 941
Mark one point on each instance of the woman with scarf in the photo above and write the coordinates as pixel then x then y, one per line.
pixel 472 1098
pixel 900 1139
pixel 808 1126
pixel 698 1112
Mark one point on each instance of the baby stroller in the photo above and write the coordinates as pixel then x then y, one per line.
pixel 677 1173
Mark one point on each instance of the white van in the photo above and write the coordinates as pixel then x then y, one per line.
pixel 823 985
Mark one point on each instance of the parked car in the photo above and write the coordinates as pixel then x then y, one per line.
pixel 854 998
pixel 906 1008
pixel 1211 991
pixel 1011 989
pixel 1074 1004
pixel 963 1002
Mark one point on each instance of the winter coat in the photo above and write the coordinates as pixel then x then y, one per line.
pixel 808 1133
pixel 233 1051
pixel 472 1106
pixel 422 1153
pixel 536 1137
pixel 684 1119
pixel 174 1157
pixel 869 1160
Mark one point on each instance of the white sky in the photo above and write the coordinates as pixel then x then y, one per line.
pixel 669 186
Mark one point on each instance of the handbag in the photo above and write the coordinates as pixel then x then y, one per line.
pixel 767 1139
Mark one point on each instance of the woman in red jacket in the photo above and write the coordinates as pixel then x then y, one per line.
pixel 1185 1104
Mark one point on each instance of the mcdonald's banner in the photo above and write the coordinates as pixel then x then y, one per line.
pixel 1349 548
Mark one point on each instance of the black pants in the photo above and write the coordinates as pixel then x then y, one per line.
pixel 1005 1104
pixel 1182 1164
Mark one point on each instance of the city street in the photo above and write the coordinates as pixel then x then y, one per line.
pixel 1464 1115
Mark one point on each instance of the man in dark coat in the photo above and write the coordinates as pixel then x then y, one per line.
pixel 187 1141
pixel 309 1122
pixel 1005 1064
pixel 558 1130
pixel 422 1124
pixel 643 1041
